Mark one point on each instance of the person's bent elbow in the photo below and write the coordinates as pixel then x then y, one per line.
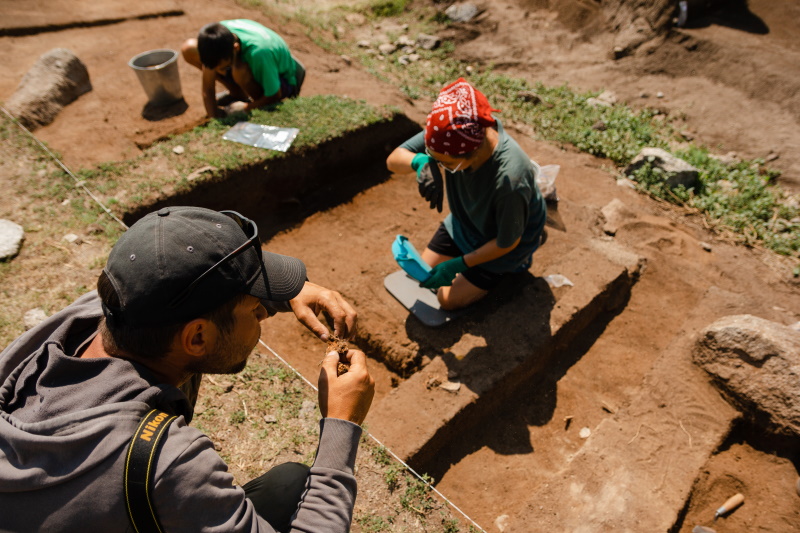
pixel 399 161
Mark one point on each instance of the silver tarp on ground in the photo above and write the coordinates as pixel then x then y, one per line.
pixel 261 136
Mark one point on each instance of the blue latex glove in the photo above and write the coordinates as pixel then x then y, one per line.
pixel 443 274
pixel 429 180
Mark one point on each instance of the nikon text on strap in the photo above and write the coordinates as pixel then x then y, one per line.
pixel 140 465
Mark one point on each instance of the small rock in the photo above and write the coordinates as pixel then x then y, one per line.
pixel 433 382
pixel 428 42
pixel 644 95
pixel 364 44
pixel 585 433
pixel 217 445
pixel 676 171
pixel 72 238
pixel 659 94
pixel 178 150
pixel 461 12
pixel 65 202
pixel 687 135
pixel 706 246
pixel 413 58
pixel 469 69
pixel 625 182
pixel 617 215
pixel 729 159
pixel 346 59
pixel 608 97
pixel 387 48
pixel 403 60
pixel 772 156
pixel 618 52
pixel 270 419
pixel 529 96
pixel 599 126
pixel 450 386
pixel 94 229
pixel 501 522
pixel 594 102
pixel 33 317
pixel 199 172
pixel 405 40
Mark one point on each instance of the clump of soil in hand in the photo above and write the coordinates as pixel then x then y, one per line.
pixel 335 344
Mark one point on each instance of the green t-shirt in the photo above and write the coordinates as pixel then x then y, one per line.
pixel 499 200
pixel 265 52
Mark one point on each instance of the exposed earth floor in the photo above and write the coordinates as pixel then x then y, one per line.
pixel 663 450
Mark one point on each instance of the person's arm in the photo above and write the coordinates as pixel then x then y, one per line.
pixel 488 252
pixel 399 161
pixel 194 492
pixel 209 94
pixel 255 104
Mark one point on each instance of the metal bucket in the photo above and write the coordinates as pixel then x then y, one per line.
pixel 157 71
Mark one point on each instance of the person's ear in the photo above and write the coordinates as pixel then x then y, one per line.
pixel 236 47
pixel 198 337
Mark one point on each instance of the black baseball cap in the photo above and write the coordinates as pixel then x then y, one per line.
pixel 180 263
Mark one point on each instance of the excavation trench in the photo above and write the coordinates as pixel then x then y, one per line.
pixel 337 208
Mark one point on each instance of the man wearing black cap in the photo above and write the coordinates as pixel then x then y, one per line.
pixel 183 292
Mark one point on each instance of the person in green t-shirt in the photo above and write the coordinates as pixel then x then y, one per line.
pixel 253 62
pixel 497 214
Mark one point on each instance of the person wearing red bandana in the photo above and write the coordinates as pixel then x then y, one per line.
pixel 497 213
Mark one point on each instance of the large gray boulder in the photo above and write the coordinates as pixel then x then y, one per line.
pixel 11 235
pixel 55 80
pixel 676 171
pixel 756 365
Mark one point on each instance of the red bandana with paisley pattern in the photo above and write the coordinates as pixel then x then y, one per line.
pixel 458 122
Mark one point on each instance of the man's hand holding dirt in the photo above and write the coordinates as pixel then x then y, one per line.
pixel 429 180
pixel 348 396
pixel 313 299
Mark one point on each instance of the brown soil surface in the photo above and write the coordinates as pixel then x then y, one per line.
pixel 736 91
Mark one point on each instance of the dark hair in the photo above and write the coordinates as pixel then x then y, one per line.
pixel 215 43
pixel 152 342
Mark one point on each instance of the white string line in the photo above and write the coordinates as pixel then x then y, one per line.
pixel 407 467
pixel 78 183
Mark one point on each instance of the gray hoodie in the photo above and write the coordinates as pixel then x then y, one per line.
pixel 65 424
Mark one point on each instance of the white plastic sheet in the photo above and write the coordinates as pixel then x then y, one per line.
pixel 262 136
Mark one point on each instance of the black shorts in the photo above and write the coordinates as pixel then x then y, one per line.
pixel 443 244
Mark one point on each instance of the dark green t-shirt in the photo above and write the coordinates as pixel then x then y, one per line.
pixel 265 52
pixel 499 200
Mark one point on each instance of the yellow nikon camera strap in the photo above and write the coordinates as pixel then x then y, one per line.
pixel 140 465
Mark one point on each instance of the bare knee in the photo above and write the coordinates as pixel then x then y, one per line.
pixel 453 297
